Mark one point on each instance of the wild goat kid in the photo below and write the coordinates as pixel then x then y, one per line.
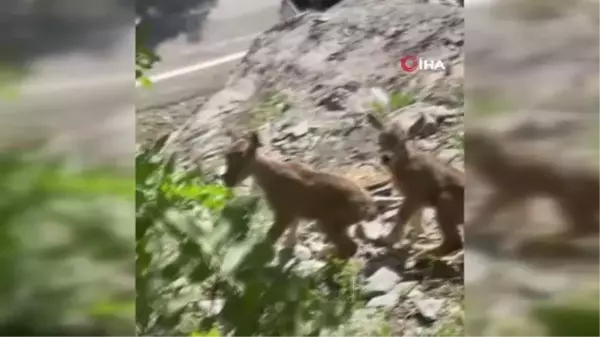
pixel 295 191
pixel 515 177
pixel 424 181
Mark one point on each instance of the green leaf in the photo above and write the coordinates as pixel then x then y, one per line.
pixel 400 100
pixel 145 82
pixel 201 272
pixel 214 332
pixel 171 271
pixel 234 256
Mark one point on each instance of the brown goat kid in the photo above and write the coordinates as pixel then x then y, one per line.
pixel 424 181
pixel 295 192
pixel 516 177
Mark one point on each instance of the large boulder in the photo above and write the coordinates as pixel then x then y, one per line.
pixel 325 65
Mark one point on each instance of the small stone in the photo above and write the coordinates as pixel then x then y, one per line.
pixel 212 307
pixel 302 252
pixel 221 170
pixel 429 308
pixel 389 215
pixel 405 288
pixel 386 301
pixel 390 299
pixel 381 282
pixel 310 266
pixel 299 129
pixel 372 230
pixel 326 251
pixel 386 201
pixel 315 244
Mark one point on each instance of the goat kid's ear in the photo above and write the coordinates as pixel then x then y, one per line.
pixel 385 158
pixel 374 121
pixel 254 139
pixel 399 131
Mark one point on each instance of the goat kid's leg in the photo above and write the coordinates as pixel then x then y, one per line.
pixel 338 235
pixel 416 223
pixel 291 238
pixel 282 222
pixel 580 221
pixel 406 211
pixel 448 219
pixel 486 212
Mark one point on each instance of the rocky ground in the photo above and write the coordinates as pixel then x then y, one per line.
pixel 153 122
pixel 311 79
pixel 307 84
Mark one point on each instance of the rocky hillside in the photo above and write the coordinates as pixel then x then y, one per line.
pixel 322 66
pixel 307 84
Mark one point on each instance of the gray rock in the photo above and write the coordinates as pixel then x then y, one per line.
pixel 299 129
pixel 381 282
pixel 386 301
pixel 389 216
pixel 310 266
pixel 390 299
pixel 372 230
pixel 405 288
pixel 429 308
pixel 386 201
pixel 212 307
pixel 302 252
pixel 324 65
pixel 315 243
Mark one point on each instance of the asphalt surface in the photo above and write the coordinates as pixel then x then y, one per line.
pixel 86 100
pixel 187 67
pixel 192 69
pixel 90 95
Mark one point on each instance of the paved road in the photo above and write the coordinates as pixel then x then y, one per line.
pixel 186 67
pixel 86 98
pixel 192 69
pixel 201 68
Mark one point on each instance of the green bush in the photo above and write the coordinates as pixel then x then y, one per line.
pixel 196 248
pixel 66 248
pixel 577 314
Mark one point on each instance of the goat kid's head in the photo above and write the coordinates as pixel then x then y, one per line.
pixel 392 139
pixel 239 157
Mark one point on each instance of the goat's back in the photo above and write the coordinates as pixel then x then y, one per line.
pixel 313 194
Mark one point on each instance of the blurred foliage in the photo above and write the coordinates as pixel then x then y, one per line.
pixel 39 28
pixel 66 248
pixel 202 270
pixel 481 105
pixel 386 103
pixel 10 78
pixel 534 9
pixel 145 58
pixel 575 314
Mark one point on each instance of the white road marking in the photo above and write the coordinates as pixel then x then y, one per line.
pixel 221 44
pixel 55 86
pixel 195 67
